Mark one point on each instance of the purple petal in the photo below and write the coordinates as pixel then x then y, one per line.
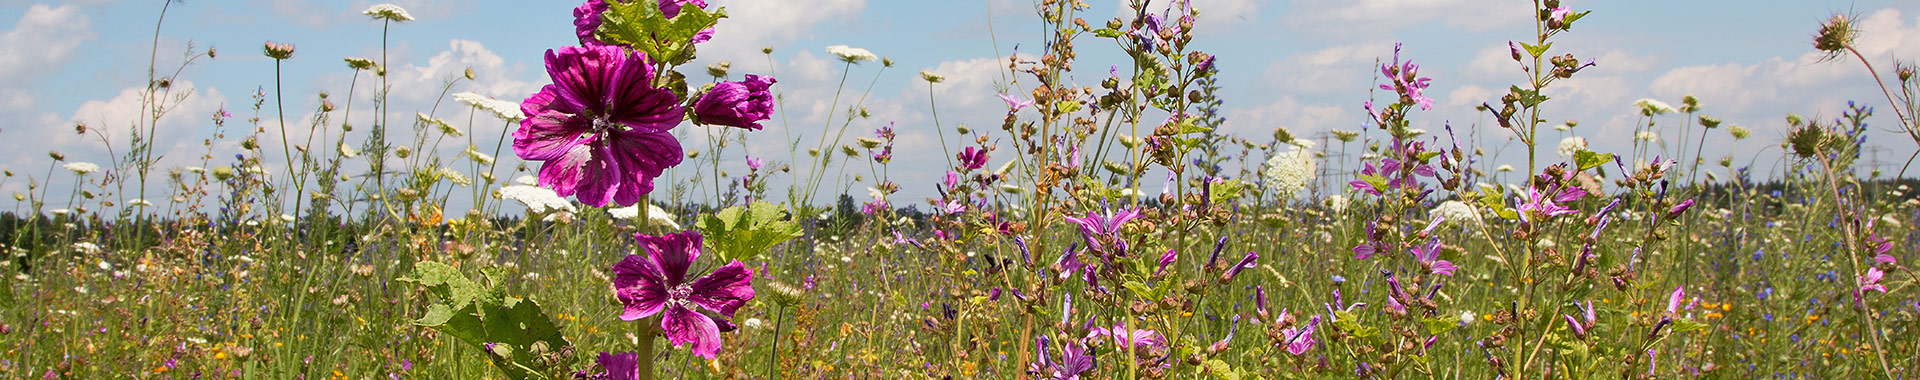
pixel 638 284
pixel 686 327
pixel 563 173
pixel 672 253
pixel 724 290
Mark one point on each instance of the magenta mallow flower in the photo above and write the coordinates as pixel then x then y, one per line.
pixel 1074 361
pixel 972 159
pixel 737 104
pixel 1550 203
pixel 601 127
pixel 1406 80
pixel 1673 300
pixel 614 366
pixel 657 284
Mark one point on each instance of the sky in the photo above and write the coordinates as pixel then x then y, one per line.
pixel 1303 64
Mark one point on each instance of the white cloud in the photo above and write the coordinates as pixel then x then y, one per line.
pixel 752 24
pixel 1380 17
pixel 44 40
pixel 1216 15
pixel 1338 69
pixel 492 75
pixel 1303 119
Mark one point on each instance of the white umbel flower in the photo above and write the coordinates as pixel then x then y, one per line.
pixel 1571 145
pixel 851 54
pixel 656 216
pixel 388 11
pixel 537 199
pixel 1289 172
pixel 81 168
pixel 138 202
pixel 1650 107
pixel 1454 211
pixel 455 176
pixel 348 151
pixel 502 109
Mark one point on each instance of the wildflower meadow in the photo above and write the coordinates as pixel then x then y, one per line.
pixel 608 223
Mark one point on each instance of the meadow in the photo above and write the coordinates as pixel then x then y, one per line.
pixel 1102 231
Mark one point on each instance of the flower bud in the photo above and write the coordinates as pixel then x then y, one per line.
pixel 278 51
pixel 741 104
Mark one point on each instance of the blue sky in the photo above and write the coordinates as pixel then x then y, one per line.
pixel 1303 64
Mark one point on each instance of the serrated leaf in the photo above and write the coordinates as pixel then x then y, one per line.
pixel 1437 326
pixel 520 333
pixel 1226 191
pixel 1107 33
pixel 1536 50
pixel 641 25
pixel 1589 160
pixel 742 233
pixel 1377 182
pixel 1066 106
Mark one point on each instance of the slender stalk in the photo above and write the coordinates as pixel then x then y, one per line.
pixel 773 358
pixel 286 148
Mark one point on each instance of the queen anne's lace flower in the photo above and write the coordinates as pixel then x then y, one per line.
pixel 1289 172
pixel 388 11
pixel 1571 145
pixel 536 198
pixel 81 168
pixel 505 110
pixel 851 54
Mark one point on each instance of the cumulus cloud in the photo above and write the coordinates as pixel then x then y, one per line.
pixel 1381 17
pixel 752 24
pixel 1338 69
pixel 1302 118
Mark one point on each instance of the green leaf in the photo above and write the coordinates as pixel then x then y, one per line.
pixel 738 233
pixel 1536 50
pixel 526 343
pixel 1066 106
pixel 1108 33
pixel 1437 326
pixel 1685 325
pixel 1589 160
pixel 1377 182
pixel 1226 191
pixel 640 24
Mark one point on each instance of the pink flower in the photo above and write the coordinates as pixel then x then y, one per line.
pixel 1015 103
pixel 657 283
pixel 1673 301
pixel 741 104
pixel 1871 280
pixel 601 127
pixel 1299 339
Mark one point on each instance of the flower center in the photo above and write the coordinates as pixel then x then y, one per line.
pixel 680 295
pixel 604 124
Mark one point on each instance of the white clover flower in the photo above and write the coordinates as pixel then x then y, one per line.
pixel 1571 145
pixel 1454 211
pixel 1289 172
pixel 1650 107
pixel 388 11
pixel 851 54
pixel 81 168
pixel 537 199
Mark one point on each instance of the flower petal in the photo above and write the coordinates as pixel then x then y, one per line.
pixel 672 253
pixel 600 178
pixel 686 327
pixel 638 283
pixel 724 290
pixel 641 157
pixel 583 75
pixel 631 98
pixel 550 128
pixel 564 172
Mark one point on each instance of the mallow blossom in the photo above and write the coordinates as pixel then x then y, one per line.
pixel 741 104
pixel 601 127
pixel 657 284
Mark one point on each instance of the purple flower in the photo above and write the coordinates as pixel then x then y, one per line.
pixel 1074 360
pixel 1673 300
pixel 1549 203
pixel 1373 244
pixel 755 163
pixel 1429 255
pixel 657 284
pixel 1139 338
pixel 1094 228
pixel 1560 14
pixel 972 158
pixel 741 104
pixel 600 127
pixel 1871 281
pixel 1245 262
pixel 615 366
pixel 1579 331
pixel 1166 259
pixel 1300 339
pixel 1014 103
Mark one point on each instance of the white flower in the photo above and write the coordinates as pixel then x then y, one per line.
pixel 196 169
pixel 388 11
pixel 1571 145
pixel 348 151
pixel 851 54
pixel 876 193
pixel 81 168
pixel 1454 211
pixel 753 323
pixel 1647 136
pixel 1336 203
pixel 60 211
pixel 473 153
pixel 1650 107
pixel 1466 317
pixel 655 215
pixel 537 199
pixel 455 176
pixel 104 265
pixel 138 202
pixel 286 218
pixel 1504 168
pixel 502 109
pixel 1304 144
pixel 527 180
pixel 85 247
pixel 1289 172
pixel 1416 132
